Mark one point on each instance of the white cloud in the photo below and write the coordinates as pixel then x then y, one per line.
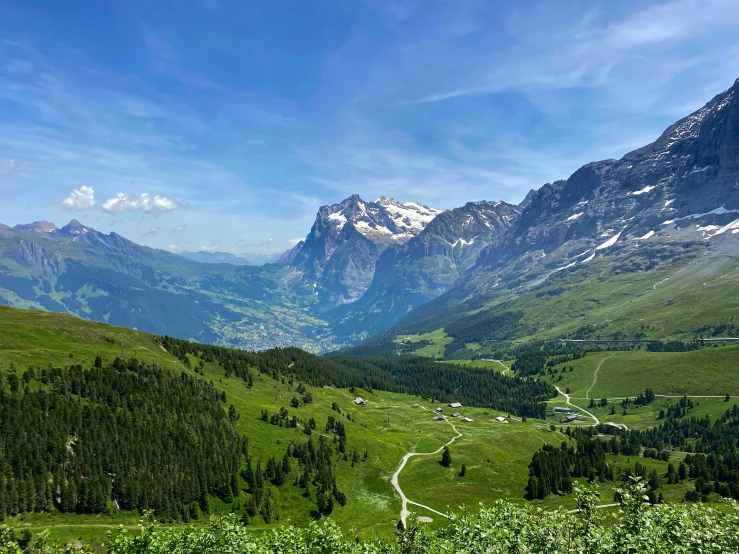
pixel 175 249
pixel 82 198
pixel 179 229
pixel 9 167
pixel 144 203
pixel 213 248
pixel 294 242
pixel 151 232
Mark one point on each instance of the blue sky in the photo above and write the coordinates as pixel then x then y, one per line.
pixel 223 124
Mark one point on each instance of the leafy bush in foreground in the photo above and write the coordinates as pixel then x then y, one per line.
pixel 502 528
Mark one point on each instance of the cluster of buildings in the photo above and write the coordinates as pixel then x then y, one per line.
pixel 569 414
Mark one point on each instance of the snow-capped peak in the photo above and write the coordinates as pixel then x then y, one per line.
pixel 383 220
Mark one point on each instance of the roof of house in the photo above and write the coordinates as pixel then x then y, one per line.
pixel 468 420
pixel 456 414
pixel 455 405
pixel 359 400
pixel 500 418
pixel 562 409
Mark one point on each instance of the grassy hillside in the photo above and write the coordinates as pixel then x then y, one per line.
pixel 674 295
pixel 496 455
pixel 41 338
pixel 709 371
pixel 388 427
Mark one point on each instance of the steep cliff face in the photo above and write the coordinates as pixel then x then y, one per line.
pixel 411 274
pixel 341 250
pixel 687 176
pixel 33 255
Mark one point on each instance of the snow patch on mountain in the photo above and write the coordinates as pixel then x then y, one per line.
pixel 610 242
pixel 408 215
pixel 340 220
pixel 718 211
pixel 642 191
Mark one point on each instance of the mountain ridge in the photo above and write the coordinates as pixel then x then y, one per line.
pixel 679 193
pixel 670 206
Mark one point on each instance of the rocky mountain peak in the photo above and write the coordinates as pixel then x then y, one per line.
pixel 527 200
pixel 74 229
pixel 686 178
pixel 340 252
pixel 40 226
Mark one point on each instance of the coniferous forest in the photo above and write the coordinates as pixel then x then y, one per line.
pixel 138 435
pixel 416 375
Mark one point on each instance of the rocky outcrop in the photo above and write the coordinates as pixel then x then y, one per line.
pixel 33 255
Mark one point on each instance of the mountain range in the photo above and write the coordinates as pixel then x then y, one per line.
pixel 252 258
pixel 662 223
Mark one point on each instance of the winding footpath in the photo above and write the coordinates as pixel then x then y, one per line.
pixel 506 370
pixel 404 513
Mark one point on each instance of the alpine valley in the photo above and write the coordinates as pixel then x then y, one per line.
pixel 643 246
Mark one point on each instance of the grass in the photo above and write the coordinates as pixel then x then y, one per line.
pixel 495 366
pixel 387 428
pixel 608 297
pixel 647 416
pixel 496 456
pixel 439 339
pixel 709 371
pixel 41 338
pixel 667 301
pixel 390 425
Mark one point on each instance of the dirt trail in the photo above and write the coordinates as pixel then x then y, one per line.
pixel 595 375
pixel 404 513
pixel 506 370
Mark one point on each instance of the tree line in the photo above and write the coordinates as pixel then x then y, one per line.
pixel 713 459
pixel 443 382
pixel 414 375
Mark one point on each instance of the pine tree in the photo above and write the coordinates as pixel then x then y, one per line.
pixel 446 457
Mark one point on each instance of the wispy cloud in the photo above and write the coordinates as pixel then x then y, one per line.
pixel 9 168
pixel 248 246
pixel 166 60
pixel 547 58
pixel 442 102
